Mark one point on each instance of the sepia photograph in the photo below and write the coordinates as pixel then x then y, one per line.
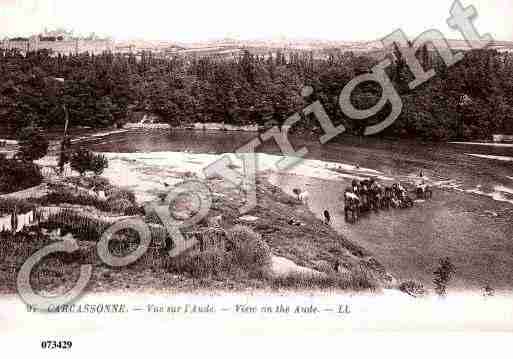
pixel 182 172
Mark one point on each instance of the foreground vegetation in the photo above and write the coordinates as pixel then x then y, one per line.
pixel 472 99
pixel 229 256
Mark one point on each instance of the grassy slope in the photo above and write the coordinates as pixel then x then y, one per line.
pixel 306 245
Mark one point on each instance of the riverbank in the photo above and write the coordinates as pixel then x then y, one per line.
pixel 304 251
pixel 467 219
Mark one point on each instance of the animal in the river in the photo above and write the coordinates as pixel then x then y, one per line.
pixel 327 217
pixel 304 196
pixel 404 199
pixel 297 192
pixel 424 191
pixel 387 197
pixel 375 194
pixel 400 197
pixel 355 185
pixel 301 195
pixel 351 206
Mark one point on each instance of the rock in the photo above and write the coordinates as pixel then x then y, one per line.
pixel 283 267
pixel 248 218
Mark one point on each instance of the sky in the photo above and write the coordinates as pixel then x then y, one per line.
pixel 196 20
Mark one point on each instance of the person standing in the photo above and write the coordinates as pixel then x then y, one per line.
pixel 327 217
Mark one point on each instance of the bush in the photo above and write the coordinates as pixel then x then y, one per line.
pixel 99 183
pixel 248 250
pixel 62 194
pixel 84 161
pixel 118 194
pixel 240 234
pixel 254 254
pixel 203 264
pixel 17 175
pixel 32 142
pixel 412 288
pixel 246 255
pixel 120 205
pixel 82 227
pixel 357 280
pixel 443 275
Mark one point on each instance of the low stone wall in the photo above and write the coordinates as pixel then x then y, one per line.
pixel 148 125
pixel 196 126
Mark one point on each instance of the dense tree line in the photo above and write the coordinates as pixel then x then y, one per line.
pixel 472 99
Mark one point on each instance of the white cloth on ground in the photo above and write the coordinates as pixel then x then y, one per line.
pixel 5 224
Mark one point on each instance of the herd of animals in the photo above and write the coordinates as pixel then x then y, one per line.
pixel 369 195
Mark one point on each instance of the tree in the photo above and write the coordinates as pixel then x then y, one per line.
pixel 65 156
pixel 81 161
pixel 33 144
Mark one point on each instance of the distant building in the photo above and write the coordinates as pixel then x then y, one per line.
pixel 502 138
pixel 59 44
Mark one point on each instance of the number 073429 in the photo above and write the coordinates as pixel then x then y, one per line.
pixel 53 344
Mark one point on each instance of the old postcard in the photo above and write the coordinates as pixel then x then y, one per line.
pixel 226 176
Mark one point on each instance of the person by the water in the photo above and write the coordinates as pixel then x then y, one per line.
pixel 327 217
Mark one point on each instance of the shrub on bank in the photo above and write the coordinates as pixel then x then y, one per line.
pixel 60 194
pixel 84 161
pixel 83 228
pixel 412 288
pixel 246 254
pixel 120 205
pixel 358 279
pixel 18 175
pixel 248 250
pixel 203 264
pixel 96 182
pixel 119 201
pixel 118 193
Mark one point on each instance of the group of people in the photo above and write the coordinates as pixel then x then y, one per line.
pixel 367 195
